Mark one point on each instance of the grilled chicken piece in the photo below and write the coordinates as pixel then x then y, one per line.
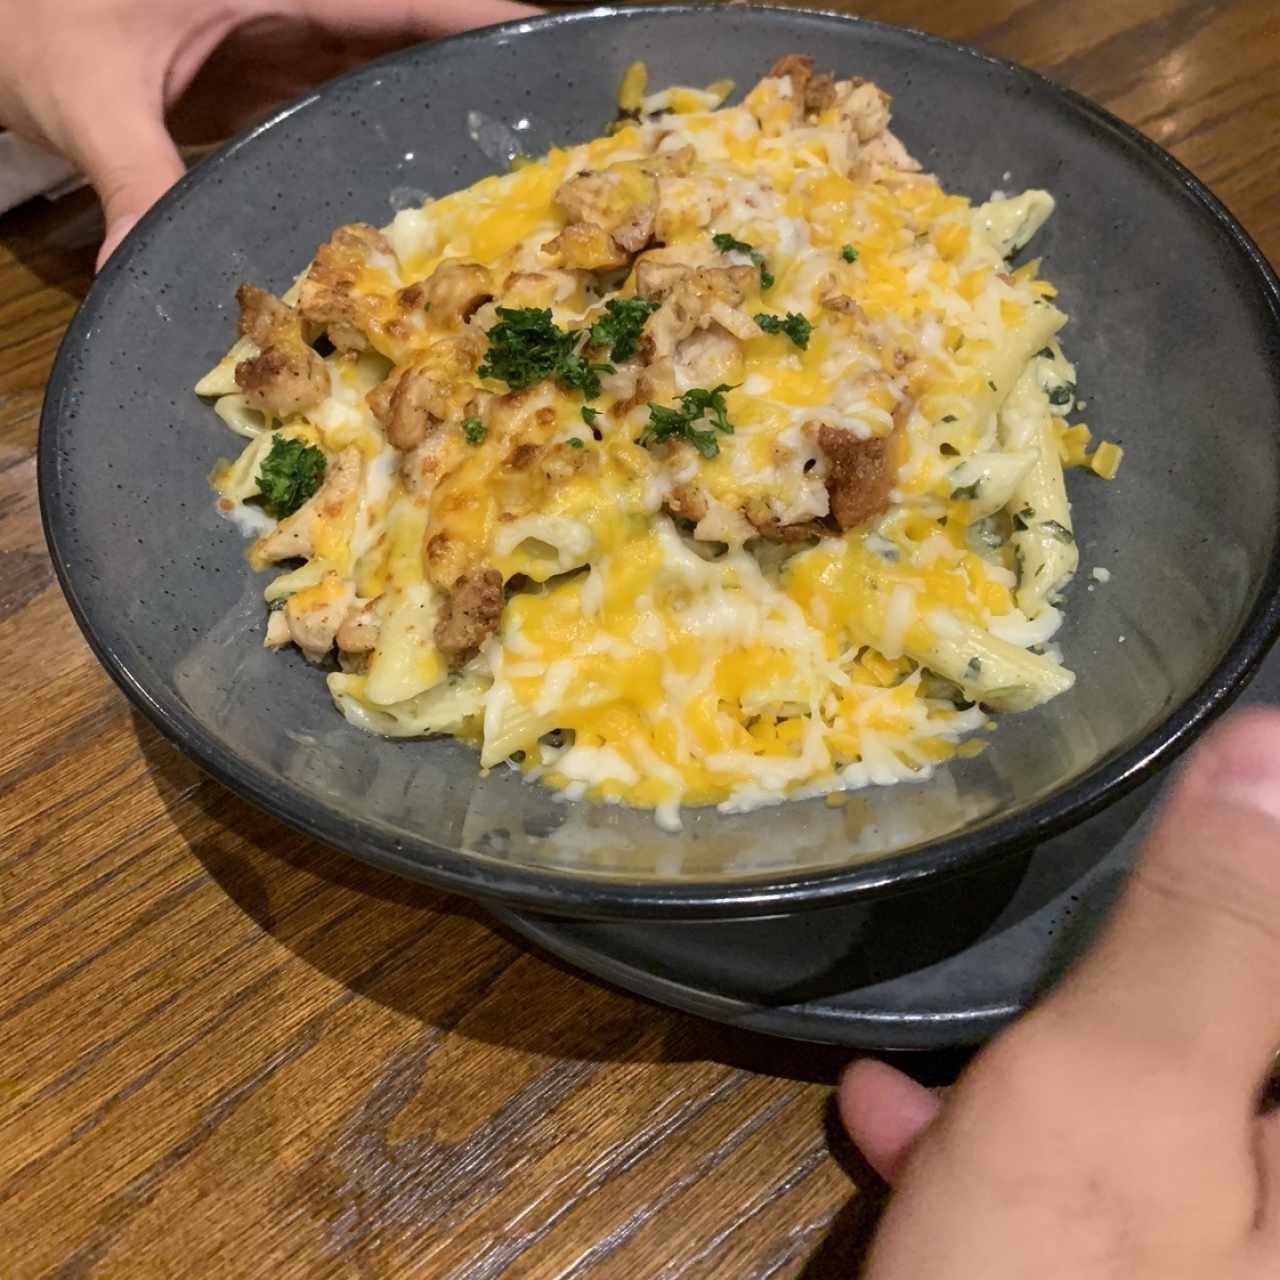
pixel 456 290
pixel 359 630
pixel 286 376
pixel 470 616
pixel 328 296
pixel 861 475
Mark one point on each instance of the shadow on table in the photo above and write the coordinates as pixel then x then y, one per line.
pixel 258 861
pixel 298 891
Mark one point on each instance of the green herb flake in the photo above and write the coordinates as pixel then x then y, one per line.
pixel 968 492
pixel 574 443
pixel 474 430
pixel 991 384
pixel 849 253
pixel 620 327
pixel 526 346
pixel 975 667
pixel 948 450
pixel 589 415
pixel 290 473
pixel 1058 531
pixel 731 244
pixel 794 325
pixel 1022 519
pixel 1064 393
pixel 951 417
pixel 1045 353
pixel 696 405
pixel 577 374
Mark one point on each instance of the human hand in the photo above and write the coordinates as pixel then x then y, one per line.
pixel 93 79
pixel 1114 1131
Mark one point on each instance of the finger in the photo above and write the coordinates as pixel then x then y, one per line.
pixel 411 19
pixel 131 165
pixel 1185 973
pixel 885 1113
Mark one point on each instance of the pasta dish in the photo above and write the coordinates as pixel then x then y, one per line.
pixel 718 460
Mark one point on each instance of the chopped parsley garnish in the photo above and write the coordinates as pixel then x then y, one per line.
pixel 1063 393
pixel 474 430
pixel 526 346
pixel 975 667
pixel 1045 353
pixel 849 253
pixel 589 415
pixel 1056 530
pixel 730 244
pixel 948 450
pixel 794 325
pixel 574 443
pixel 619 329
pixel 951 417
pixel 290 473
pixel 1022 519
pixel 581 375
pixel 991 384
pixel 968 492
pixel 696 405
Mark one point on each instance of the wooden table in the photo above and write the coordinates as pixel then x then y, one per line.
pixel 227 1051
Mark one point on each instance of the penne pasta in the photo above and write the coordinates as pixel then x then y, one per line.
pixel 714 461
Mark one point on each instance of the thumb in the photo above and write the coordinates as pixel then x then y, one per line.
pixel 885 1113
pixel 131 164
pixel 1184 974
pixel 412 19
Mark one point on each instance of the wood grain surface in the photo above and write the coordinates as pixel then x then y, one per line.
pixel 227 1051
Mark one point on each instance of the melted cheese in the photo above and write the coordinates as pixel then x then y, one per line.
pixel 633 663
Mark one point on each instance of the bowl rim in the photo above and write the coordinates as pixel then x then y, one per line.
pixel 561 892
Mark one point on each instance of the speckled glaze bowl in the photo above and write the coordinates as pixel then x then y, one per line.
pixel 1175 329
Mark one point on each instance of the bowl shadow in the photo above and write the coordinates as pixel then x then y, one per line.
pixel 258 861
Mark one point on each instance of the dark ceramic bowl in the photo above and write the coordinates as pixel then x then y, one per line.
pixel 1175 329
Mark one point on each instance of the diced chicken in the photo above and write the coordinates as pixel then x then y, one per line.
pixel 456 290
pixel 655 384
pixel 678 162
pixel 884 152
pixel 328 296
pixel 861 474
pixel 408 404
pixel 686 502
pixel 471 613
pixel 422 468
pixel 636 229
pixel 845 305
pixel 314 616
pixel 561 462
pixel 620 203
pixel 586 246
pixel 707 358
pixel 415 398
pixel 862 109
pixel 692 298
pixel 535 288
pixel 286 376
pixel 359 630
pixel 292 537
pixel 447 559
